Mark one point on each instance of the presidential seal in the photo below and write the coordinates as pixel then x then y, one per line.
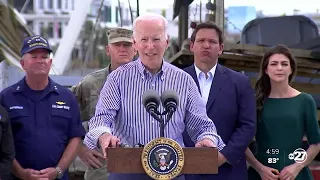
pixel 162 158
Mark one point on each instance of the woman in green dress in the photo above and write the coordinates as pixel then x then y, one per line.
pixel 285 115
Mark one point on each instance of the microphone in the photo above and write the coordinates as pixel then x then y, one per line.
pixel 170 101
pixel 151 101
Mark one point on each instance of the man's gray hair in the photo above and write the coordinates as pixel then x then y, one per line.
pixel 24 56
pixel 151 16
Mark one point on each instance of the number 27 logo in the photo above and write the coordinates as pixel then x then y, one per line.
pixel 299 155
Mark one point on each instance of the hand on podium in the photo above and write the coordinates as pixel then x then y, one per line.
pixel 205 143
pixel 107 140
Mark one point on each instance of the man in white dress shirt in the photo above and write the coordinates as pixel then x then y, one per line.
pixel 229 99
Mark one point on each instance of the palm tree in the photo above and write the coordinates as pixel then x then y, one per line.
pixel 85 37
pixel 96 50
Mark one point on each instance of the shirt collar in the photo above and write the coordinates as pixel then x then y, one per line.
pixel 22 85
pixel 108 70
pixel 210 73
pixel 143 71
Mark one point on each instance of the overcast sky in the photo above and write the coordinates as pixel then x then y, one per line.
pixel 268 6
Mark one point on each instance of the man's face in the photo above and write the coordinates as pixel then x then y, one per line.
pixel 36 62
pixel 150 42
pixel 206 47
pixel 121 52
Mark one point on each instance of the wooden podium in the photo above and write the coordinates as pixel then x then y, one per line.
pixel 162 158
pixel 198 160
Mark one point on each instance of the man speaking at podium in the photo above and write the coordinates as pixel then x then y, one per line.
pixel 120 114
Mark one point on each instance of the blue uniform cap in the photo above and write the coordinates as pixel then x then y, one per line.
pixel 35 42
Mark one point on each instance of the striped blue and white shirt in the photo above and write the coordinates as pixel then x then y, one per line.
pixel 120 111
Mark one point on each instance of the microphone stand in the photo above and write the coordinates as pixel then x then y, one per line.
pixel 162 123
pixel 169 114
pixel 157 116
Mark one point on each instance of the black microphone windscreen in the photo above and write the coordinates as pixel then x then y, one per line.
pixel 150 96
pixel 169 95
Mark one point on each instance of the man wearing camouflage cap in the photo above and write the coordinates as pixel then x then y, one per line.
pixel 121 51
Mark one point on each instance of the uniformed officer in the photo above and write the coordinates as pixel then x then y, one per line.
pixel 6 145
pixel 121 51
pixel 45 117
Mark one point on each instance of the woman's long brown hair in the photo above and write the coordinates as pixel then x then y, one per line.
pixel 263 85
